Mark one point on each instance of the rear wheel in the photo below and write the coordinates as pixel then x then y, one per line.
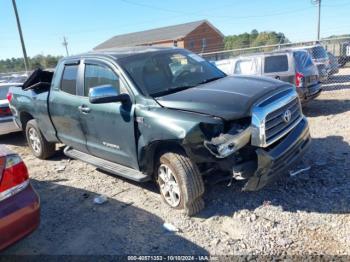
pixel 39 146
pixel 180 183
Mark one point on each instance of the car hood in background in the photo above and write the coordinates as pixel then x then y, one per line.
pixel 228 98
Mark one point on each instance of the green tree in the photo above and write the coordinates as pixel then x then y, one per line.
pixel 38 61
pixel 254 39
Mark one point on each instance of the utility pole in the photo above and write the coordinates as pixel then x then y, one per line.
pixel 26 63
pixel 318 3
pixel 65 44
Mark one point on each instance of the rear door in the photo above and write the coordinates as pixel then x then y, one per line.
pixel 278 66
pixel 64 105
pixel 305 66
pixel 109 127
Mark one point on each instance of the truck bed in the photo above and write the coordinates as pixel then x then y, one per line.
pixel 30 101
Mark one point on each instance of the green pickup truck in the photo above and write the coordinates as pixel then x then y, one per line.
pixel 165 114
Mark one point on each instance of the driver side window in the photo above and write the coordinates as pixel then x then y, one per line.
pixel 98 75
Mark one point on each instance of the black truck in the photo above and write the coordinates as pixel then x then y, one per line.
pixel 165 114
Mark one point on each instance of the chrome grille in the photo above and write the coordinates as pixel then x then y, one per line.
pixel 268 124
pixel 275 125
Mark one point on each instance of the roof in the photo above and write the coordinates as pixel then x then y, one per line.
pixel 174 32
pixel 273 52
pixel 116 53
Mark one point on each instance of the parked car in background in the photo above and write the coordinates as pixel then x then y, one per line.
pixel 320 58
pixel 340 49
pixel 166 114
pixel 292 66
pixel 18 79
pixel 333 63
pixel 13 78
pixel 19 203
pixel 7 123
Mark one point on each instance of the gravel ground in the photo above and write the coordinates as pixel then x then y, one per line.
pixel 306 214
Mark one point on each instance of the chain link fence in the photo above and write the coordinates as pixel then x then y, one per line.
pixel 291 62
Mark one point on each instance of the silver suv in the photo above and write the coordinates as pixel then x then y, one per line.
pixel 292 66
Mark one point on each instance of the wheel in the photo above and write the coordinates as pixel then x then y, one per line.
pixel 180 183
pixel 39 146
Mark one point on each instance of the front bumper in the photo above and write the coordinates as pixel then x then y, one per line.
pixel 277 159
pixel 19 216
pixel 8 125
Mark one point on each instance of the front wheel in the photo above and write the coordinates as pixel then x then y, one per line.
pixel 180 183
pixel 39 146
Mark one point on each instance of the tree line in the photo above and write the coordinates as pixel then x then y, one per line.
pixel 38 61
pixel 254 39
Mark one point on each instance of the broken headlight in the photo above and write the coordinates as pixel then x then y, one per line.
pixel 226 144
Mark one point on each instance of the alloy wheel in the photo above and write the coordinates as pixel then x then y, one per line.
pixel 169 187
pixel 34 140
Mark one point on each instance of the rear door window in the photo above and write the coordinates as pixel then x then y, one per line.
pixel 246 67
pixel 69 79
pixel 276 63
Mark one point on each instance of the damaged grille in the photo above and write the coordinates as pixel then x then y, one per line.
pixel 281 120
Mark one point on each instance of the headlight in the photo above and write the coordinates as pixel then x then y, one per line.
pixel 226 144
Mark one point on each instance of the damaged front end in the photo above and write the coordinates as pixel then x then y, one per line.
pixel 262 150
pixel 259 166
pixel 278 159
pixel 226 144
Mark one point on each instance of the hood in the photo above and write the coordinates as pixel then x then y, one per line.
pixel 229 98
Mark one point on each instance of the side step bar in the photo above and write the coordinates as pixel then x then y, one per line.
pixel 106 165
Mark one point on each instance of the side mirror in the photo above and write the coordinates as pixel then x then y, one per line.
pixel 106 94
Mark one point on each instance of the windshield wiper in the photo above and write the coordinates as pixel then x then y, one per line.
pixel 210 80
pixel 172 90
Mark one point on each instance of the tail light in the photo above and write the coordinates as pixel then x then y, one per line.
pixel 5 111
pixel 9 96
pixel 299 79
pixel 14 176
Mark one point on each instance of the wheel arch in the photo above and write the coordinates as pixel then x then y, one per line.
pixel 149 155
pixel 25 117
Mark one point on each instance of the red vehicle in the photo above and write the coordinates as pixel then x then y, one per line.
pixel 19 203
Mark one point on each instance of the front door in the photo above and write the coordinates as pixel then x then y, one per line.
pixel 64 105
pixel 109 127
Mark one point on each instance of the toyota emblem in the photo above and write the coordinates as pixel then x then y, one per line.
pixel 287 116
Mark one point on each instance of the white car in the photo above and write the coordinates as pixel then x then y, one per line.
pixel 7 123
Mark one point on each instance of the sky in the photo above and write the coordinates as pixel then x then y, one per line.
pixel 87 23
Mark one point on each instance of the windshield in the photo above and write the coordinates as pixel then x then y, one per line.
pixel 165 72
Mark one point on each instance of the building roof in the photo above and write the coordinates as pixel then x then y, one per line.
pixel 174 32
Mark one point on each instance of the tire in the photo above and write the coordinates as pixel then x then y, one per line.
pixel 184 184
pixel 39 146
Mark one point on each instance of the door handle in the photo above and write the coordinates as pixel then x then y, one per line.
pixel 84 109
